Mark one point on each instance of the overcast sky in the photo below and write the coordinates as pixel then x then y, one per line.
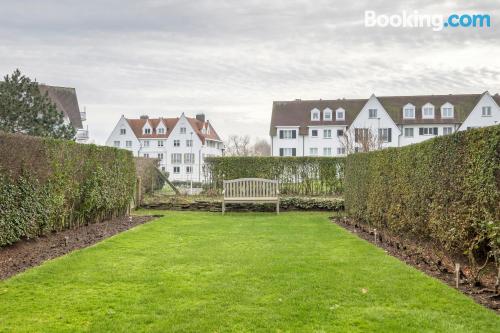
pixel 231 59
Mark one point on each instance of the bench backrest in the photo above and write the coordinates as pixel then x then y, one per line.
pixel 251 188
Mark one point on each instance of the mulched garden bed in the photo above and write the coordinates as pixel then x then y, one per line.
pixel 426 260
pixel 32 252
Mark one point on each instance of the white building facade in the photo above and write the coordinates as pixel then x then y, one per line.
pixel 180 144
pixel 338 127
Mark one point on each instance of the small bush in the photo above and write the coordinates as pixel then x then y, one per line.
pixel 49 185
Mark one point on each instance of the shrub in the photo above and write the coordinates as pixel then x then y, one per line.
pixel 297 175
pixel 151 177
pixel 49 185
pixel 444 190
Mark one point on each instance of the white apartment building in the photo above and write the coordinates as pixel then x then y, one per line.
pixel 181 144
pixel 337 127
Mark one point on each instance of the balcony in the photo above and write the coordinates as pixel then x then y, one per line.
pixel 82 135
pixel 83 115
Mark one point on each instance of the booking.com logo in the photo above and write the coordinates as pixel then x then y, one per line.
pixel 436 22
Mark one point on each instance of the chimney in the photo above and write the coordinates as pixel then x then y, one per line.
pixel 144 116
pixel 200 117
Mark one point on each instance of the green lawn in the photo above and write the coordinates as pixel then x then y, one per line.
pixel 203 272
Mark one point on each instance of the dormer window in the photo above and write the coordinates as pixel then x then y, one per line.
pixel 447 111
pixel 123 131
pixel 327 114
pixel 340 114
pixel 161 130
pixel 183 130
pixel 147 131
pixel 409 111
pixel 315 115
pixel 372 113
pixel 486 111
pixel 428 111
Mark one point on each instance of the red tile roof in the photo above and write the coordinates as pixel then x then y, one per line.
pixel 169 123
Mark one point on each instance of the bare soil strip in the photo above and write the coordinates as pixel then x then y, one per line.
pixel 426 260
pixel 32 252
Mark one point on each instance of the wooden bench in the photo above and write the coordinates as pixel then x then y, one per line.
pixel 256 190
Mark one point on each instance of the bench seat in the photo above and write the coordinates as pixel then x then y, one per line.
pixel 245 190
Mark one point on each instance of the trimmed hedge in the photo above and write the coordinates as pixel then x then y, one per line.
pixel 297 175
pixel 49 185
pixel 444 190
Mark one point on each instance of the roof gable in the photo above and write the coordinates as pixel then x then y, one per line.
pixel 66 102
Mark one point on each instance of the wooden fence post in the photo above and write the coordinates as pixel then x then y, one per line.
pixel 457 274
pixel 138 190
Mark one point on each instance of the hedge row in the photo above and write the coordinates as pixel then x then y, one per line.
pixel 48 185
pixel 444 190
pixel 297 175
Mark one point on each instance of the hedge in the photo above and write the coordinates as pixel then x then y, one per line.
pixel 297 175
pixel 48 185
pixel 444 191
pixel 152 178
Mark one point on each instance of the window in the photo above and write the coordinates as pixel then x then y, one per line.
pixel 360 134
pixel 447 111
pixel 161 130
pixel 189 143
pixel 160 156
pixel 428 111
pixel 372 113
pixel 177 143
pixel 314 133
pixel 176 158
pixel 116 143
pixel 340 132
pixel 486 111
pixel 177 169
pixel 183 130
pixel 385 134
pixel 128 143
pixel 409 132
pixel 340 114
pixel 147 131
pixel 327 151
pixel 313 151
pixel 189 169
pixel 146 143
pixel 162 168
pixel 447 130
pixel 327 133
pixel 160 143
pixel 341 151
pixel 327 114
pixel 288 134
pixel 123 131
pixel 409 111
pixel 288 152
pixel 146 155
pixel 188 158
pixel 315 115
pixel 428 131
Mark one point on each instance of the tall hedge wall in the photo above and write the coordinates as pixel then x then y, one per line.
pixel 297 175
pixel 444 190
pixel 48 185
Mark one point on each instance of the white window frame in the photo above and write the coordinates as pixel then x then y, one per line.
pixel 128 143
pixel 188 158
pixel 160 156
pixel 177 169
pixel 409 107
pixel 147 130
pixel 444 108
pixel 314 130
pixel 176 158
pixel 385 134
pixel 315 115
pixel 488 113
pixel 370 116
pixel 123 131
pixel 326 150
pixel 428 106
pixel 189 143
pixel 288 134
pixel 313 151
pixel 116 144
pixel 408 129
pixel 327 133
pixel 189 169
pixel 341 151
pixel 338 112
pixel 183 130
pixel 145 143
pixel 327 114
pixel 177 143
pixel 447 130
pixel 161 130
pixel 287 152
pixel 161 143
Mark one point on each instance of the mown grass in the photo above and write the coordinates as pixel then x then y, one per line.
pixel 203 272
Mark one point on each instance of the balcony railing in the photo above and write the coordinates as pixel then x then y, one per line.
pixel 83 115
pixel 82 135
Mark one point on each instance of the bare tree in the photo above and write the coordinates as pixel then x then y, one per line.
pixel 364 139
pixel 261 148
pixel 238 145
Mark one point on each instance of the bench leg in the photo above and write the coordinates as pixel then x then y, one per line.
pixel 223 207
pixel 277 207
